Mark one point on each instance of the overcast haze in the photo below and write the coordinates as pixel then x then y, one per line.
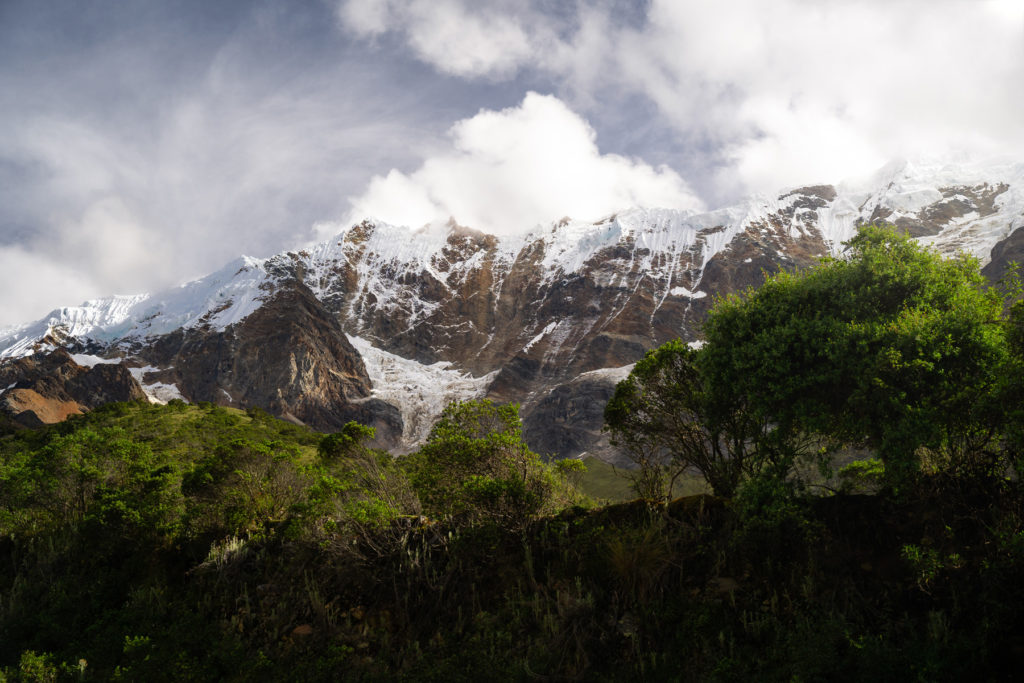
pixel 145 143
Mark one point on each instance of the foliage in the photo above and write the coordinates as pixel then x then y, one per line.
pixel 249 556
pixel 862 476
pixel 193 542
pixel 606 483
pixel 350 441
pixel 571 470
pixel 668 420
pixel 101 507
pixel 1011 390
pixel 475 465
pixel 894 346
pixel 243 486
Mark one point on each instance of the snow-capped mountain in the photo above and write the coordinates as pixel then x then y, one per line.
pixel 384 323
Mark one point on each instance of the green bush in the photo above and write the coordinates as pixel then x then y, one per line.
pixel 476 466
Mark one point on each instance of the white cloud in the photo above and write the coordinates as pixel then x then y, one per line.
pixel 42 284
pixel 158 144
pixel 174 183
pixel 123 255
pixel 816 90
pixel 774 93
pixel 211 179
pixel 452 35
pixel 508 171
pixel 799 143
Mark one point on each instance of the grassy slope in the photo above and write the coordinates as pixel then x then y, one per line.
pixel 609 484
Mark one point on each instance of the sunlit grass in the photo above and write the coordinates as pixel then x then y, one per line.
pixel 606 483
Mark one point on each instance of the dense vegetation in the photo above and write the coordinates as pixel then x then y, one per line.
pixel 893 349
pixel 178 542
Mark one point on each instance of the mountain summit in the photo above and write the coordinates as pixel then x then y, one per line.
pixel 385 324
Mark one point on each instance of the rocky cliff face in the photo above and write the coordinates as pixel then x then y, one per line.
pixel 567 420
pixel 289 357
pixel 383 324
pixel 48 387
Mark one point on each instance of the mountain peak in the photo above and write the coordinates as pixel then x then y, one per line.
pixel 512 317
pixel 952 204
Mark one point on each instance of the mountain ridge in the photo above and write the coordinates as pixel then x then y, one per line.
pixel 508 317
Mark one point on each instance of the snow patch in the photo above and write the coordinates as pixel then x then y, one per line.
pixel 683 291
pixel 87 361
pixel 642 245
pixel 614 374
pixel 912 200
pixel 419 391
pixel 381 254
pixel 161 393
pixel 156 392
pixel 218 300
pixel 547 330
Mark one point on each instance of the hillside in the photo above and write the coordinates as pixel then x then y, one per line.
pixel 167 573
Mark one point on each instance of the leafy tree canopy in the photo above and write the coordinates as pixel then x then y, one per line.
pixel 893 347
pixel 476 464
pixel 664 416
pixel 346 443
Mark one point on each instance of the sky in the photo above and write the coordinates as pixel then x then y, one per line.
pixel 143 144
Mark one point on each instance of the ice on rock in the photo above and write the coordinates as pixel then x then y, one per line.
pixel 87 361
pixel 683 291
pixel 156 392
pixel 543 333
pixel 420 391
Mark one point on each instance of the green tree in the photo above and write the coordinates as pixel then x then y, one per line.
pixel 476 465
pixel 894 347
pixel 68 476
pixel 244 485
pixel 348 442
pixel 1011 392
pixel 362 488
pixel 667 420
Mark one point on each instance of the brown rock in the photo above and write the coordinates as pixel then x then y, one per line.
pixel 32 409
pixel 50 387
pixel 289 357
pixel 568 420
pixel 957 201
pixel 1005 252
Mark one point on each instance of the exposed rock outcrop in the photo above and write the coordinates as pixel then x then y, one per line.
pixel 568 420
pixel 1004 254
pixel 289 357
pixel 48 387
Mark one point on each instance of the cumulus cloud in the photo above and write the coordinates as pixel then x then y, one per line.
pixel 145 147
pixel 121 172
pixel 449 35
pixel 820 90
pixel 508 171
pixel 771 93
pixel 211 179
